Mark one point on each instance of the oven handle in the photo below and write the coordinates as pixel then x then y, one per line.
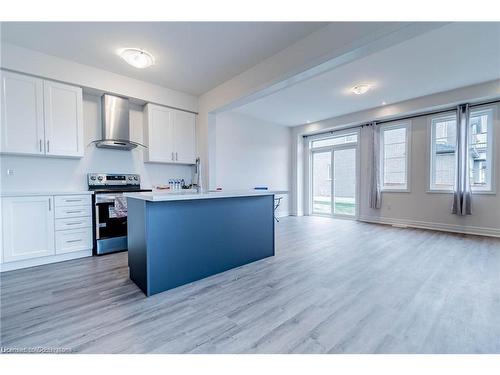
pixel 97 235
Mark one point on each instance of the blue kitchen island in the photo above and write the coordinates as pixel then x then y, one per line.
pixel 174 239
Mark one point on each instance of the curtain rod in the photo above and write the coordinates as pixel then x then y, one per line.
pixel 393 119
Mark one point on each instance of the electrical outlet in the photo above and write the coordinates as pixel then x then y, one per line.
pixel 10 172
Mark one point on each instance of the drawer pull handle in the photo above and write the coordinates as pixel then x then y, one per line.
pixel 73 200
pixel 75 223
pixel 73 212
pixel 74 241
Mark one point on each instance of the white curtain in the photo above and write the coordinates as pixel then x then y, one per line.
pixel 375 189
pixel 462 195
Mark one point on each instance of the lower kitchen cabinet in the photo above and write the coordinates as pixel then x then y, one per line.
pixel 45 229
pixel 71 240
pixel 28 227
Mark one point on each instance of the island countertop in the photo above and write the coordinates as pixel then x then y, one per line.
pixel 175 239
pixel 156 196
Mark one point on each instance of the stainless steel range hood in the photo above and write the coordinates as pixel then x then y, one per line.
pixel 115 124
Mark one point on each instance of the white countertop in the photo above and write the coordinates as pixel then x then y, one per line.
pixel 157 196
pixel 42 192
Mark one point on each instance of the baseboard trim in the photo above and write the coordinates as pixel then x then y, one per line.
pixel 478 231
pixel 10 266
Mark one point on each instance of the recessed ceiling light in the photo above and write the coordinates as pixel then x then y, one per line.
pixel 361 88
pixel 384 103
pixel 137 57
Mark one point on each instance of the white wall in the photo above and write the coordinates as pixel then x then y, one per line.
pixel 250 153
pixel 431 209
pixel 418 207
pixel 44 173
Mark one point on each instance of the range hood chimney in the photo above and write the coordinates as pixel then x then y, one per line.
pixel 115 124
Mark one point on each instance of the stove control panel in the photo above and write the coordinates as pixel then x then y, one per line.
pixel 104 179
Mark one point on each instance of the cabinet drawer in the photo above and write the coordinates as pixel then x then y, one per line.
pixel 72 200
pixel 73 240
pixel 74 223
pixel 72 211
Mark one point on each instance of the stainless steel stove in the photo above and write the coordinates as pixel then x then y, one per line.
pixel 110 228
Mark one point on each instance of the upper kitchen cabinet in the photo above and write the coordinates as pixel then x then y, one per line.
pixel 159 134
pixel 184 136
pixel 41 117
pixel 22 114
pixel 169 135
pixel 63 119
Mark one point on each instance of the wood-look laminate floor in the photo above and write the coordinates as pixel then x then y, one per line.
pixel 334 286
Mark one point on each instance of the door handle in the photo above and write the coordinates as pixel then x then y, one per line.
pixel 48 146
pixel 176 157
pixel 50 204
pixel 40 143
pixel 173 156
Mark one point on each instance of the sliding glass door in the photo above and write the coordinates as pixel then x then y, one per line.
pixel 344 181
pixel 334 176
pixel 322 182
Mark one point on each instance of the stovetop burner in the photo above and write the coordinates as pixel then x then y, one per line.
pixel 109 183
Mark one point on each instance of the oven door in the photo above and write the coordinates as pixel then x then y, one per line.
pixel 111 230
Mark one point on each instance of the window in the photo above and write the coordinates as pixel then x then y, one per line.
pixel 481 149
pixel 443 152
pixel 335 141
pixel 394 150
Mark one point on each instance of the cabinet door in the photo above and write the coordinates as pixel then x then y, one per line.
pixel 63 119
pixel 184 137
pixel 28 227
pixel 22 114
pixel 159 134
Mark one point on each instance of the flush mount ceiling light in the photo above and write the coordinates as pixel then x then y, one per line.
pixel 361 88
pixel 137 57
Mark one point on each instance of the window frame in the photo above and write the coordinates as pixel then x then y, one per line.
pixel 309 150
pixel 432 188
pixel 333 134
pixel 406 124
pixel 491 152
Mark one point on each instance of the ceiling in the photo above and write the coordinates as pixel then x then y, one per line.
pixel 455 55
pixel 192 57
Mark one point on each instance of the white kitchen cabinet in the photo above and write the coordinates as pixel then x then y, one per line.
pixel 68 241
pixel 41 117
pixel 63 119
pixel 184 137
pixel 41 229
pixel 73 223
pixel 22 114
pixel 159 134
pixel 28 227
pixel 169 135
